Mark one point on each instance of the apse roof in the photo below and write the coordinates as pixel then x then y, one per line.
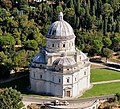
pixel 64 61
pixel 39 58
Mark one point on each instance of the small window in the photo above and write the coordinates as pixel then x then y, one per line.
pixel 75 79
pixel 67 80
pixel 63 45
pixel 52 78
pixel 52 45
pixel 59 80
pixel 58 45
pixel 40 76
pixel 34 74
pixel 85 73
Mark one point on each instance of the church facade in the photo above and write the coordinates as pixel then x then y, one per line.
pixel 60 69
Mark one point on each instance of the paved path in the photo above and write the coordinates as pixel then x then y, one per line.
pixel 103 82
pixel 75 101
pixel 70 100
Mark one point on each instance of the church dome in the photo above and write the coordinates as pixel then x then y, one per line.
pixel 64 61
pixel 60 29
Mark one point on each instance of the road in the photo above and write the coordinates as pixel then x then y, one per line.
pixel 76 100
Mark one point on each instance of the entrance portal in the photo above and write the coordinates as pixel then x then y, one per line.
pixel 68 93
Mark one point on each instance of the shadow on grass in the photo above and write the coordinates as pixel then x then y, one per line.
pixel 22 85
pixel 113 65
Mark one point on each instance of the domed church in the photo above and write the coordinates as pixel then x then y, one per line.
pixel 60 69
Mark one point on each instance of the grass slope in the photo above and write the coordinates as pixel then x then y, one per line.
pixel 98 75
pixel 103 89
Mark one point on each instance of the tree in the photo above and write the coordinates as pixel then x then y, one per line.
pixel 5 65
pixel 97 46
pixel 20 59
pixel 31 44
pixel 37 36
pixel 69 15
pixel 107 42
pixel 106 11
pixel 7 43
pixel 10 99
pixel 117 97
pixel 107 53
pixel 116 42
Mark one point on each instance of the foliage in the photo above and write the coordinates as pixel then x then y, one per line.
pixel 107 53
pixel 10 99
pixel 33 106
pixel 5 65
pixel 107 42
pixel 7 41
pixel 31 44
pixel 24 25
pixel 117 95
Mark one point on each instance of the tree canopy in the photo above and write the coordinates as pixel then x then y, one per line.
pixel 10 99
pixel 24 25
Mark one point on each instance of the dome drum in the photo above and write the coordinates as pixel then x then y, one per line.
pixel 64 69
pixel 60 45
pixel 60 38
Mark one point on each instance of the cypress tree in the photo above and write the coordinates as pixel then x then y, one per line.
pixel 77 22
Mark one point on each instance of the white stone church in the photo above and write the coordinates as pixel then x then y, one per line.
pixel 60 69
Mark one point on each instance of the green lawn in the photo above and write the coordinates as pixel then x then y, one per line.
pixel 103 89
pixel 104 75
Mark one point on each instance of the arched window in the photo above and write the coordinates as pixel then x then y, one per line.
pixel 75 79
pixel 72 43
pixel 67 80
pixel 52 45
pixel 63 45
pixel 34 74
pixel 59 81
pixel 40 76
pixel 84 72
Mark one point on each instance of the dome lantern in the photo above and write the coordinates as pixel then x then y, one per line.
pixel 60 16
